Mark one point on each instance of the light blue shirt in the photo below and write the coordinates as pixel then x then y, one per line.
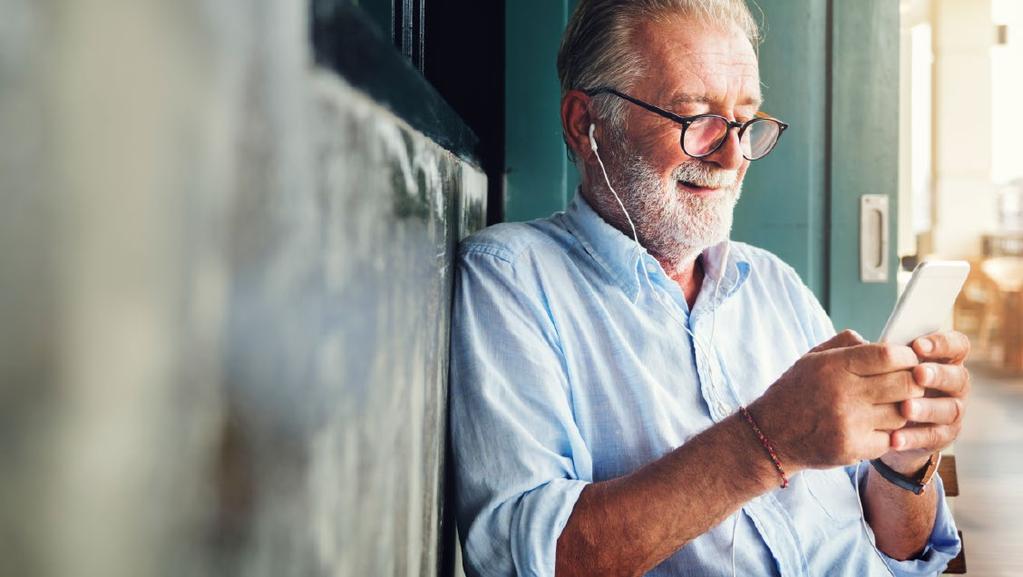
pixel 568 367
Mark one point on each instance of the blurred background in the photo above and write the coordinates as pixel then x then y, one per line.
pixel 961 196
pixel 227 235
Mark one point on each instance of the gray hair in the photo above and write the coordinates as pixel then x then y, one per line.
pixel 596 49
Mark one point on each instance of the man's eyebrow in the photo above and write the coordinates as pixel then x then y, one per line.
pixel 689 99
pixel 753 101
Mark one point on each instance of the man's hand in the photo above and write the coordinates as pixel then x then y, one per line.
pixel 903 521
pixel 935 420
pixel 840 402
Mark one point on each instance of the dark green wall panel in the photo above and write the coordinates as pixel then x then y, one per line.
pixel 382 14
pixel 225 286
pixel 539 179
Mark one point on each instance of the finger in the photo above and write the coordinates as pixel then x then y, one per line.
pixel 888 417
pixel 952 380
pixel 892 387
pixel 939 411
pixel 846 338
pixel 928 437
pixel 880 358
pixel 878 443
pixel 947 347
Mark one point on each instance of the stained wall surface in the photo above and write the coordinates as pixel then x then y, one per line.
pixel 225 278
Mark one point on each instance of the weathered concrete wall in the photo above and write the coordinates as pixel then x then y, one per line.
pixel 224 292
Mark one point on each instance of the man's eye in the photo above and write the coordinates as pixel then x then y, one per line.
pixel 691 110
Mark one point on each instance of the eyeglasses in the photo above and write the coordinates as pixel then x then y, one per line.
pixel 703 134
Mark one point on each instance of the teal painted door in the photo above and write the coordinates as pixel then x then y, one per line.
pixel 864 143
pixel 834 78
pixel 783 205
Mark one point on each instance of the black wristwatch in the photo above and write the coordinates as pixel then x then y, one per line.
pixel 914 483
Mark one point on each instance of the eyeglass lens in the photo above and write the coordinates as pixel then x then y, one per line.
pixel 705 134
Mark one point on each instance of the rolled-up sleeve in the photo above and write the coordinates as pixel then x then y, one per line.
pixel 942 546
pixel 515 442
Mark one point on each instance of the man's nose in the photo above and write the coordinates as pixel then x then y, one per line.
pixel 729 155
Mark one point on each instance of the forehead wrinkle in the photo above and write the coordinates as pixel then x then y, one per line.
pixel 701 78
pixel 721 75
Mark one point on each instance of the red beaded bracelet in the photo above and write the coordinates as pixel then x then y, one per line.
pixel 767 445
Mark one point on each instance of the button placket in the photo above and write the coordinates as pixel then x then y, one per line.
pixel 708 375
pixel 709 387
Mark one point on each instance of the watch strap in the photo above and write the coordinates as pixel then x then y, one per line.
pixel 917 482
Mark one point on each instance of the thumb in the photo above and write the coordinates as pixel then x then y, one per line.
pixel 846 338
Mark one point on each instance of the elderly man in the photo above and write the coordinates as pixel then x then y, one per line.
pixel 634 394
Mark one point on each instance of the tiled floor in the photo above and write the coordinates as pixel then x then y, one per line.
pixel 989 454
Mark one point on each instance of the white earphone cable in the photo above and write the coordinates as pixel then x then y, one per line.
pixel 593 146
pixel 696 341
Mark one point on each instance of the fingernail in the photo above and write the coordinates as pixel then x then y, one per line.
pixel 928 374
pixel 925 345
pixel 897 442
pixel 910 409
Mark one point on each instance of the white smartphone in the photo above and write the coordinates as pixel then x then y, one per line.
pixel 925 305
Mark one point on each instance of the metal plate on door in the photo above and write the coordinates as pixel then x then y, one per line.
pixel 874 238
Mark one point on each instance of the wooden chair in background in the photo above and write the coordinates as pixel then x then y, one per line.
pixel 949 477
pixel 1007 274
pixel 978 310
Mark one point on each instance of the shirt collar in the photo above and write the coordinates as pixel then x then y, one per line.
pixel 619 256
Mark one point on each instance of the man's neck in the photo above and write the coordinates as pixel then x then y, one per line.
pixel 688 276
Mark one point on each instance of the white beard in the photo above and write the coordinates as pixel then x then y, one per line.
pixel 673 224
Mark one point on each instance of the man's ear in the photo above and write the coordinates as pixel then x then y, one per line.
pixel 575 124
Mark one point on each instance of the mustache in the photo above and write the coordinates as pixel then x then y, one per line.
pixel 705 175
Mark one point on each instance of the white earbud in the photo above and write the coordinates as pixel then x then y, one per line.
pixel 593 141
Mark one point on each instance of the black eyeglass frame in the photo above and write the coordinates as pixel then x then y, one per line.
pixel 687 121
